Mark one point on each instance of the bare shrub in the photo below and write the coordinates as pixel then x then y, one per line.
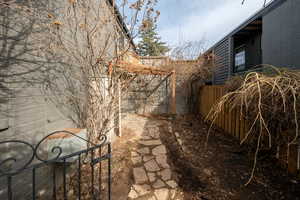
pixel 269 101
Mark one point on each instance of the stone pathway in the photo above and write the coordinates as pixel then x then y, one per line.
pixel 153 177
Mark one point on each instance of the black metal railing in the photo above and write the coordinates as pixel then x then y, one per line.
pixel 63 170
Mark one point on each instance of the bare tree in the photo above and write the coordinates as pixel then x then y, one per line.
pixel 189 50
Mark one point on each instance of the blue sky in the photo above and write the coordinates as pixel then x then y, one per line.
pixel 195 20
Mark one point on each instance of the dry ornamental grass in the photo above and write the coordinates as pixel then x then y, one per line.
pixel 269 101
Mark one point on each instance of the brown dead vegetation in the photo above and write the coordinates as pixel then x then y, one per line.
pixel 269 101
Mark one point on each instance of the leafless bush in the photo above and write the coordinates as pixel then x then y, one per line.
pixel 270 103
pixel 189 63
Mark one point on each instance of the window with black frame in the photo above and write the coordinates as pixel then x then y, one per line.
pixel 239 59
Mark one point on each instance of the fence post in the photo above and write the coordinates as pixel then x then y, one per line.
pixel 173 95
pixel 120 108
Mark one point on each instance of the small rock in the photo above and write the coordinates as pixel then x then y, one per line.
pixel 151 166
pixel 172 184
pixel 179 142
pixel 170 127
pixel 139 175
pixel 162 194
pixel 71 193
pixel 161 159
pixel 159 184
pixel 177 134
pixel 144 150
pixel 152 177
pixel 132 194
pixel 208 172
pixel 136 160
pixel 159 150
pixel 172 194
pixel 142 189
pixel 166 174
pixel 134 154
pixel 150 142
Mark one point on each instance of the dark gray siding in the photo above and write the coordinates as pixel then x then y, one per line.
pixel 253 57
pixel 281 35
pixel 222 61
pixel 253 50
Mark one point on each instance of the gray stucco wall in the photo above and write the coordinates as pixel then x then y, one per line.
pixel 26 112
pixel 281 35
pixel 25 108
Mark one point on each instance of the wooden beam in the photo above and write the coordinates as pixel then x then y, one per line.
pixel 173 93
pixel 252 28
pixel 141 69
pixel 257 22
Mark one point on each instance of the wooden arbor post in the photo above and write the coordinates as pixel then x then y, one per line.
pixel 173 93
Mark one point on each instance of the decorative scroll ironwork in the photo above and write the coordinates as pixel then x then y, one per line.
pixel 34 155
pixel 13 159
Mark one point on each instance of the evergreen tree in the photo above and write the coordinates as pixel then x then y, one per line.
pixel 150 43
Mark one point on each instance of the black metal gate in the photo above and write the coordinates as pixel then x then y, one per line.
pixel 64 176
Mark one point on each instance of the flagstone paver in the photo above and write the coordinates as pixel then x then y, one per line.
pixel 136 160
pixel 140 175
pixel 159 150
pixel 153 177
pixel 159 184
pixel 144 151
pixel 161 194
pixel 165 174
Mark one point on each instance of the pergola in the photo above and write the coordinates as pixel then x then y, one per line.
pixel 138 68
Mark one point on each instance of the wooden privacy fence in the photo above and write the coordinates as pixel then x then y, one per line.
pixel 232 123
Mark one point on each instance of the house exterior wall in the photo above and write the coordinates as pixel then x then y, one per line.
pixel 252 47
pixel 279 44
pixel 26 112
pixel 281 35
pixel 25 109
pixel 223 56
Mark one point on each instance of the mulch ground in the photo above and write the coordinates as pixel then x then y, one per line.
pixel 121 177
pixel 221 170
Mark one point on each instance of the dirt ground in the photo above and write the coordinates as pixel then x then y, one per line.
pixel 217 172
pixel 221 170
pixel 121 168
pixel 122 176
